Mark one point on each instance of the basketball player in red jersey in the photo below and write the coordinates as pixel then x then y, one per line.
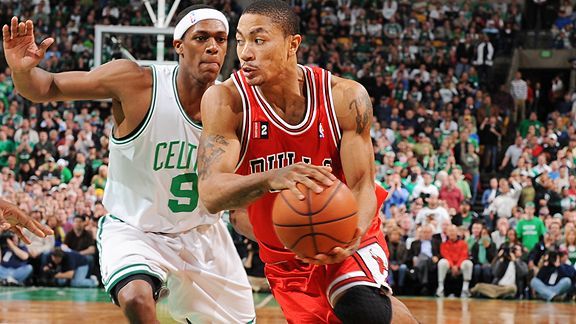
pixel 275 124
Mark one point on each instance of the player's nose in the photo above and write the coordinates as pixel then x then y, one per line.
pixel 245 53
pixel 212 47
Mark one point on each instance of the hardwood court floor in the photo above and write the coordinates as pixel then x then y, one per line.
pixel 74 305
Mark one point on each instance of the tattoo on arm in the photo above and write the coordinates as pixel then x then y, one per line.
pixel 362 118
pixel 213 147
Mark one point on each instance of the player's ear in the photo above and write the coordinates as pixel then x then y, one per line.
pixel 295 41
pixel 178 46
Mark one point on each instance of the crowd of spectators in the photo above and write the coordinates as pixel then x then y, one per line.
pixel 481 183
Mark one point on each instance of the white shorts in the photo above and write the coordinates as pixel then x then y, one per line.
pixel 200 268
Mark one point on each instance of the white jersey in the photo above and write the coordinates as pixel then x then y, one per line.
pixel 152 181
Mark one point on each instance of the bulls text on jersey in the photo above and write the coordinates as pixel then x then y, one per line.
pixel 280 160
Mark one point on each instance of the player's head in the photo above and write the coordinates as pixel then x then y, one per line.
pixel 267 40
pixel 200 40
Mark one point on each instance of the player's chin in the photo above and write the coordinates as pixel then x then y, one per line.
pixel 209 76
pixel 255 80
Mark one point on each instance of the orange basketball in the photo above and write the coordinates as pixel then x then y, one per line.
pixel 318 223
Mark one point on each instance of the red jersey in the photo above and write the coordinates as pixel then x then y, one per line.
pixel 268 142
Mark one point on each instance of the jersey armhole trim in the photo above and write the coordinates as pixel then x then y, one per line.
pixel 138 130
pixel 246 118
pixel 331 110
pixel 177 98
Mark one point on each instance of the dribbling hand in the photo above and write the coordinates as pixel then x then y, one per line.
pixel 22 53
pixel 309 175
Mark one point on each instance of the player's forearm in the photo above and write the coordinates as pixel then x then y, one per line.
pixel 241 223
pixel 232 191
pixel 34 85
pixel 366 199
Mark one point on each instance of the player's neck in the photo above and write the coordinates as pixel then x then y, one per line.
pixel 190 93
pixel 286 89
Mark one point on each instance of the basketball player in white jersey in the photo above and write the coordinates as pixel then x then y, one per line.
pixel 157 233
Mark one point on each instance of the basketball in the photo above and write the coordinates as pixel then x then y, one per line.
pixel 318 223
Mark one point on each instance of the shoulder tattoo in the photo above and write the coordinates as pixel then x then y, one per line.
pixel 363 107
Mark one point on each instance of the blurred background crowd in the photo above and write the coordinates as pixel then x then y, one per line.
pixel 480 171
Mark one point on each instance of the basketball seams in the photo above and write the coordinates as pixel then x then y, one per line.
pixel 330 198
pixel 310 213
pixel 319 223
pixel 309 205
pixel 313 236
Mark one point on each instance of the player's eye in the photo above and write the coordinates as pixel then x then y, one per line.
pixel 239 42
pixel 201 38
pixel 221 39
pixel 259 41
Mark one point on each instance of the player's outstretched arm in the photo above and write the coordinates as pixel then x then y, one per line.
pixel 220 188
pixel 354 113
pixel 113 80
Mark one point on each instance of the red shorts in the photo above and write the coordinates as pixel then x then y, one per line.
pixel 306 293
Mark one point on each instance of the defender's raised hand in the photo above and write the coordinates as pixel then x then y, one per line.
pixel 22 53
pixel 13 219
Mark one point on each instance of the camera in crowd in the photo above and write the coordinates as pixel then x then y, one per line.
pixel 52 268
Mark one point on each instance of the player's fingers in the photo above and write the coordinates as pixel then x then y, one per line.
pixel 4 225
pixel 327 171
pixel 21 29
pixel 18 231
pixel 37 228
pixel 356 235
pixel 319 175
pixel 311 184
pixel 29 28
pixel 44 46
pixel 29 223
pixel 44 228
pixel 292 187
pixel 14 27
pixel 5 33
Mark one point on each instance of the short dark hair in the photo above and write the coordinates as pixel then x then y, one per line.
pixel 280 13
pixel 80 217
pixel 58 253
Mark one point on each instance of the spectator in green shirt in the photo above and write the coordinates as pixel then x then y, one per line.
pixel 7 147
pixel 12 118
pixel 5 89
pixel 461 183
pixel 526 123
pixel 531 228
pixel 65 173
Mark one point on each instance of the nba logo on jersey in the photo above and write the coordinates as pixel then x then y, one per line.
pixel 320 131
pixel 260 129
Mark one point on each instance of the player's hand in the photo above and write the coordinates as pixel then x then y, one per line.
pixel 13 219
pixel 312 176
pixel 337 255
pixel 20 49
